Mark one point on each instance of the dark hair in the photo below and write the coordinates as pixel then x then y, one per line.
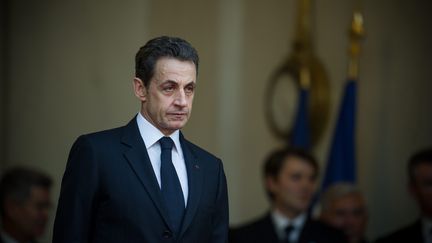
pixel 17 182
pixel 423 156
pixel 164 46
pixel 275 161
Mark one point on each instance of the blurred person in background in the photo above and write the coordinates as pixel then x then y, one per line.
pixel 290 178
pixel 420 187
pixel 25 204
pixel 343 206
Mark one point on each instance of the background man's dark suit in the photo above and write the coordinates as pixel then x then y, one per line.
pixel 263 231
pixel 117 197
pixel 411 233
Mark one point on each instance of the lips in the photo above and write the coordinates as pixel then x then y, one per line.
pixel 178 115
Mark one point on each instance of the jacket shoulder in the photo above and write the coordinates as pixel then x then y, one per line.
pixel 317 231
pixel 410 232
pixel 104 134
pixel 258 230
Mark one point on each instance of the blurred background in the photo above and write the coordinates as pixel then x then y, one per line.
pixel 66 68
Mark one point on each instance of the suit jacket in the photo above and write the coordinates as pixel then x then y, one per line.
pixel 109 193
pixel 264 231
pixel 411 233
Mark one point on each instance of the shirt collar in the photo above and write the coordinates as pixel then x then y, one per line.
pixel 151 135
pixel 281 221
pixel 426 227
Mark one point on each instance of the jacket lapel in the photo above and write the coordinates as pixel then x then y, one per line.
pixel 416 232
pixel 267 231
pixel 139 161
pixel 195 182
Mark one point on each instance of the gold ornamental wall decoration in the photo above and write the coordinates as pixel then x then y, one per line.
pixel 300 70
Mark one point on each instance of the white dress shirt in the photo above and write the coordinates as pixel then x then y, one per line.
pixel 281 222
pixel 151 135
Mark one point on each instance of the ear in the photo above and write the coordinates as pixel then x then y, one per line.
pixel 270 184
pixel 139 89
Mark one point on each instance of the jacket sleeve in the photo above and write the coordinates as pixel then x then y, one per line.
pixel 74 216
pixel 221 218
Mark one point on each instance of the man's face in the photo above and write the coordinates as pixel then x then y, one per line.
pixel 294 187
pixel 349 214
pixel 421 188
pixel 31 216
pixel 167 102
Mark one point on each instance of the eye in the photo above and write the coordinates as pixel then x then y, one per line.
pixel 296 177
pixel 189 89
pixel 169 88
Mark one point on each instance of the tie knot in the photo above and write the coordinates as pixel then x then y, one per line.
pixel 166 143
pixel 288 230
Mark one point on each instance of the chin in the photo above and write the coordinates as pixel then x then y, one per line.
pixel 177 125
pixel 302 207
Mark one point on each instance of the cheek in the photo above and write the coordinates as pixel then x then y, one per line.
pixel 191 100
pixel 160 108
pixel 338 221
pixel 291 189
pixel 425 193
pixel 166 104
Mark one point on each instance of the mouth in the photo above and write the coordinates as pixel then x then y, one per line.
pixel 305 197
pixel 178 115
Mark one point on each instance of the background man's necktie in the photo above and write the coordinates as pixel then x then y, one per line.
pixel 288 231
pixel 170 185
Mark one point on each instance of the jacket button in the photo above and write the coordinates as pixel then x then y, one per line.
pixel 167 234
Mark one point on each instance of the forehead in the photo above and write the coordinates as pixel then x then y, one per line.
pixel 350 200
pixel 295 163
pixel 167 66
pixel 423 170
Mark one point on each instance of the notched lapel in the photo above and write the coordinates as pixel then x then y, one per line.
pixel 139 161
pixel 195 182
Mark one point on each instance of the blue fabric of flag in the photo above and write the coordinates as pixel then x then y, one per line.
pixel 341 164
pixel 300 136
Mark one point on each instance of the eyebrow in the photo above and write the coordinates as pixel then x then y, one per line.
pixel 193 82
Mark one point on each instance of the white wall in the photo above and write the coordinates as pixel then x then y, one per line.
pixel 72 67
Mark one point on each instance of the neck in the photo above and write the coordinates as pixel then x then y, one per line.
pixel 288 212
pixel 166 132
pixel 355 240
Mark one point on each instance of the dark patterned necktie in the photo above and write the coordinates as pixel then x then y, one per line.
pixel 288 231
pixel 170 185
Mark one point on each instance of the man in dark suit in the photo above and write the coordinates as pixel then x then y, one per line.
pixel 145 182
pixel 420 186
pixel 25 202
pixel 290 179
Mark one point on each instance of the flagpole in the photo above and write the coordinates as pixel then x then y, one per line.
pixel 356 35
pixel 341 164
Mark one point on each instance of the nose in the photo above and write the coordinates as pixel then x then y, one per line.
pixel 180 99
